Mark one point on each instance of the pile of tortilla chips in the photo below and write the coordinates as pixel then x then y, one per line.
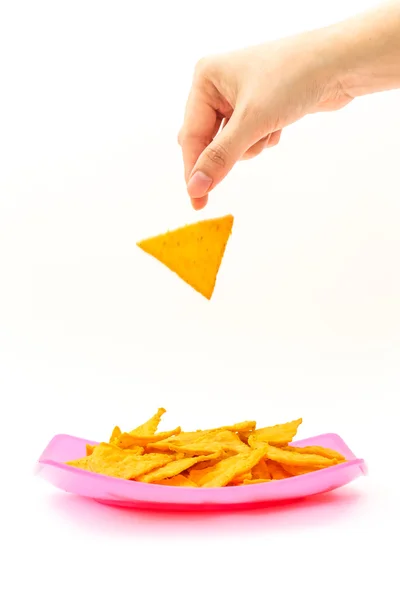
pixel 237 454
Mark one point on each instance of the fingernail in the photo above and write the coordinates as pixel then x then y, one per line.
pixel 199 184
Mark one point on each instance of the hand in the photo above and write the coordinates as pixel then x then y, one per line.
pixel 240 102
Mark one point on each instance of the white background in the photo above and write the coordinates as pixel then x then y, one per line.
pixel 305 320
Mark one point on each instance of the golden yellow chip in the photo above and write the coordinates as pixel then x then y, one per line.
pixel 193 252
pixel 110 460
pixel 178 481
pixel 294 471
pixel 206 443
pixel 126 440
pixel 150 427
pixel 243 427
pixel 276 470
pixel 230 468
pixel 89 449
pixel 197 448
pixel 327 452
pixel 178 440
pixel 286 457
pixel 134 450
pixel 249 481
pixel 261 471
pixel 241 478
pixel 114 437
pixel 279 435
pixel 196 475
pixel 174 468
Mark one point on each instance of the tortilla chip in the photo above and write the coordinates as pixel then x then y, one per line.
pixel 80 463
pixel 89 449
pixel 327 452
pixel 249 481
pixel 193 252
pixel 126 440
pixel 230 468
pixel 174 468
pixel 207 443
pixel 277 472
pixel 150 427
pixel 177 481
pixel 196 448
pixel 279 435
pixel 179 439
pixel 196 475
pixel 294 471
pixel 286 457
pixel 109 460
pixel 245 426
pixel 240 479
pixel 134 450
pixel 261 471
pixel 114 437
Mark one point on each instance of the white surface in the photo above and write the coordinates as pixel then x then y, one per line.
pixel 305 319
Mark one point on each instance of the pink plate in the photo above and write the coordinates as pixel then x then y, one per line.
pixel 132 494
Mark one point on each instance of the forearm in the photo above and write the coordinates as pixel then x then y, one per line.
pixel 367 51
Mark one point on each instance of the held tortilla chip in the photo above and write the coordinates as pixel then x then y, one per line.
pixel 177 481
pixel 193 252
pixel 278 435
pixel 109 460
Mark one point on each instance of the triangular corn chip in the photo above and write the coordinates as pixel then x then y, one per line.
pixel 150 427
pixel 110 460
pixel 261 470
pixel 126 440
pixel 296 459
pixel 250 481
pixel 327 452
pixel 230 468
pixel 278 435
pixel 276 470
pixel 171 470
pixel 177 481
pixel 114 437
pixel 193 252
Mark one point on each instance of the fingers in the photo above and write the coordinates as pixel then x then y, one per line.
pixel 201 123
pixel 218 158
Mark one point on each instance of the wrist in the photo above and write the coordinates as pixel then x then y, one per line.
pixel 366 51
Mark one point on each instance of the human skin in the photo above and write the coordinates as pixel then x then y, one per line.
pixel 240 102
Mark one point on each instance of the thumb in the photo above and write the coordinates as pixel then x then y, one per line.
pixel 218 158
